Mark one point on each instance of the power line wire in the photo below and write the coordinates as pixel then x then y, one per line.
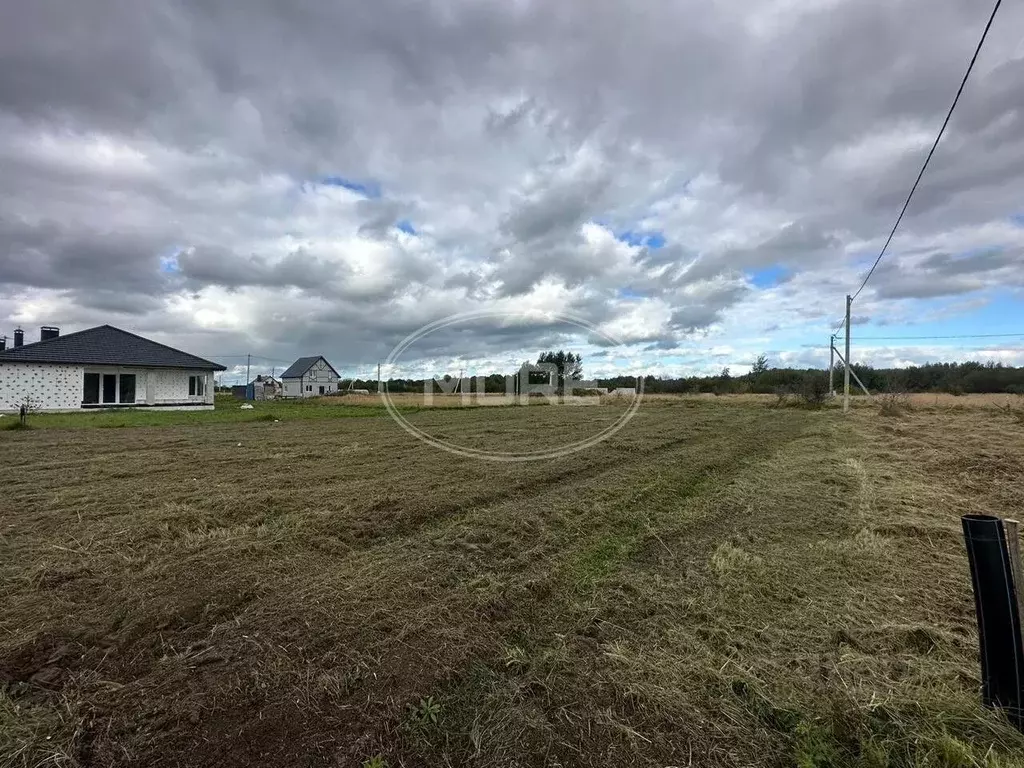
pixel 960 336
pixel 917 181
pixel 942 130
pixel 254 357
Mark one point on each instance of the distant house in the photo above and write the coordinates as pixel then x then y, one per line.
pixel 623 392
pixel 266 388
pixel 310 377
pixel 260 388
pixel 102 367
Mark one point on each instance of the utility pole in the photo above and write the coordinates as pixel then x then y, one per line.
pixel 378 378
pixel 831 364
pixel 846 368
pixel 248 362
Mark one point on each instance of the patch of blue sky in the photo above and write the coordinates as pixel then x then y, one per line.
pixel 169 260
pixel 406 226
pixel 370 189
pixel 1000 314
pixel 653 240
pixel 769 277
pixel 630 293
pixel 995 312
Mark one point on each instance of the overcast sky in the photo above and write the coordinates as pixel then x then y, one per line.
pixel 703 180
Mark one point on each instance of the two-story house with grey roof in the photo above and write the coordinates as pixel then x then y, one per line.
pixel 310 377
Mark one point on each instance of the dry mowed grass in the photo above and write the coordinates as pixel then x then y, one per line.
pixel 720 583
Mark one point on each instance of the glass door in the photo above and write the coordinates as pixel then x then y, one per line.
pixel 92 388
pixel 109 388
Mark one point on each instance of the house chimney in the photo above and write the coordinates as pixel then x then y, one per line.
pixel 48 332
pixel 19 337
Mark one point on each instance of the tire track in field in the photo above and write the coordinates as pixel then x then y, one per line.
pixel 544 609
pixel 714 456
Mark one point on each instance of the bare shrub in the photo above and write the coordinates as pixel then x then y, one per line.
pixel 811 392
pixel 1017 414
pixel 814 391
pixel 894 404
pixel 781 397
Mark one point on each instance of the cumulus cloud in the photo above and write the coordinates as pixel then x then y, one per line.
pixel 320 178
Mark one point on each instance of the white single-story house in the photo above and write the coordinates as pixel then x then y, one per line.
pixel 102 367
pixel 310 377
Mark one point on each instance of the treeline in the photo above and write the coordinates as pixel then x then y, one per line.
pixel 494 383
pixel 955 378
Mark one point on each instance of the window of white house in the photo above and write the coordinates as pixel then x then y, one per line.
pixel 309 387
pixel 196 386
pixel 127 389
pixel 108 388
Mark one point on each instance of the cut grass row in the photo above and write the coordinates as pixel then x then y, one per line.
pixel 227 411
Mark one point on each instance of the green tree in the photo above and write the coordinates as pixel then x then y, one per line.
pixel 760 365
pixel 570 366
pixel 724 384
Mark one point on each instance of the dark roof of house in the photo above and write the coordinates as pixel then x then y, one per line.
pixel 303 364
pixel 106 345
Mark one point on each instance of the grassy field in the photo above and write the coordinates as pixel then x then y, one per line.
pixel 722 583
pixel 227 411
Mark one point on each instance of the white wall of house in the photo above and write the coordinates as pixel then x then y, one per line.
pixel 54 387
pixel 318 380
pixel 172 386
pixel 263 390
pixel 48 387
